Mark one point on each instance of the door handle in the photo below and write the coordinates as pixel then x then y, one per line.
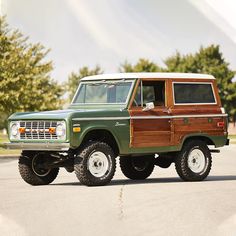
pixel 167 110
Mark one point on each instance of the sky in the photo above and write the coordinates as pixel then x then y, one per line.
pixel 108 32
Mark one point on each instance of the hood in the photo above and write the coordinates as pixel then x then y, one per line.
pixel 50 115
pixel 68 114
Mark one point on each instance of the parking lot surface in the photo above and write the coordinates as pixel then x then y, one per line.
pixel 160 205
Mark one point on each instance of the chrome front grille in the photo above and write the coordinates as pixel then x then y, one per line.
pixel 38 130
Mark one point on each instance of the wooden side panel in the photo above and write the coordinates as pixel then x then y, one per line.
pixel 189 125
pixel 206 125
pixel 171 131
pixel 147 125
pixel 151 132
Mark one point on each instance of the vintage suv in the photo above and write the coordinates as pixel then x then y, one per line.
pixel 146 119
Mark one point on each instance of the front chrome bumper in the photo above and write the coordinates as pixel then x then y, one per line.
pixel 38 146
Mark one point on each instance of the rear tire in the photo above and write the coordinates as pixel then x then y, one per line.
pixel 193 162
pixel 32 173
pixel 95 164
pixel 137 168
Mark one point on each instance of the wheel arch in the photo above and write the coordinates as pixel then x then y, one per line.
pixel 101 134
pixel 202 137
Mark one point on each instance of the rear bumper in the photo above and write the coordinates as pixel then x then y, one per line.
pixel 39 146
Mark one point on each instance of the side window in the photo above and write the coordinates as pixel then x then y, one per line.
pixel 148 93
pixel 152 91
pixel 190 93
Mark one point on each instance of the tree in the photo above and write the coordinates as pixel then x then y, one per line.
pixel 74 78
pixel 143 65
pixel 208 60
pixel 25 82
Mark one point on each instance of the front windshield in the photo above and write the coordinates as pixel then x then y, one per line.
pixel 101 92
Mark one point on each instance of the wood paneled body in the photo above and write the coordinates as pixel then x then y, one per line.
pixel 197 118
pixel 170 124
pixel 147 130
pixel 183 127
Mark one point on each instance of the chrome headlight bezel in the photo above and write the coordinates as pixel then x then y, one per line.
pixel 61 130
pixel 14 130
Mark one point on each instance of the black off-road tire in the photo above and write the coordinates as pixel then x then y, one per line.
pixel 132 170
pixel 27 173
pixel 81 164
pixel 181 161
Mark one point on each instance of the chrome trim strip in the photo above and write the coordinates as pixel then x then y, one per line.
pixel 178 116
pixel 150 117
pixel 38 146
pixel 102 118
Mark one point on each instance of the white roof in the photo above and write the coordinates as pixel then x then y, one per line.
pixel 161 75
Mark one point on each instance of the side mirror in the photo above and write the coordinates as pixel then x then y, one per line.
pixel 149 106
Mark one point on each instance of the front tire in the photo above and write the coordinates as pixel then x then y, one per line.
pixel 31 170
pixel 95 164
pixel 194 161
pixel 137 168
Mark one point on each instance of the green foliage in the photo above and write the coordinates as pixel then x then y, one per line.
pixel 74 78
pixel 3 120
pixel 143 65
pixel 25 83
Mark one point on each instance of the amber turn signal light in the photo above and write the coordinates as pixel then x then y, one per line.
pixel 22 130
pixel 52 130
pixel 76 129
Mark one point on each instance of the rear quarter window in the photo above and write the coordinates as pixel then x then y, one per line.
pixel 193 93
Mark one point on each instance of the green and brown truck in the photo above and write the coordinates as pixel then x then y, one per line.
pixel 145 119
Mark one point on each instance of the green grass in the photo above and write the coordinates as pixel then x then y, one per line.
pixel 9 152
pixel 232 139
pixel 3 151
pixel 3 138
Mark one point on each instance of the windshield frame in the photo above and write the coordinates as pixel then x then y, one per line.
pixel 107 81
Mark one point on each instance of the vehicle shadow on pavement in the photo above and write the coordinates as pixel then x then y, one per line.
pixel 221 178
pixel 155 180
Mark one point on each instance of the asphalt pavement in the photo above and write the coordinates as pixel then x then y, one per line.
pixel 160 205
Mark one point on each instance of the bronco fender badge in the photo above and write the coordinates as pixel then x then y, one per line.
pixel 119 124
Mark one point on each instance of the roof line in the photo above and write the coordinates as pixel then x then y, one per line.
pixel 161 75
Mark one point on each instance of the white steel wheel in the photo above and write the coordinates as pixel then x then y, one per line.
pixel 98 164
pixel 193 162
pixel 196 161
pixel 95 164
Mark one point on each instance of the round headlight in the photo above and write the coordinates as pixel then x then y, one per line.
pixel 60 130
pixel 14 129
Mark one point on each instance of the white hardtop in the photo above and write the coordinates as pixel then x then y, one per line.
pixel 143 75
